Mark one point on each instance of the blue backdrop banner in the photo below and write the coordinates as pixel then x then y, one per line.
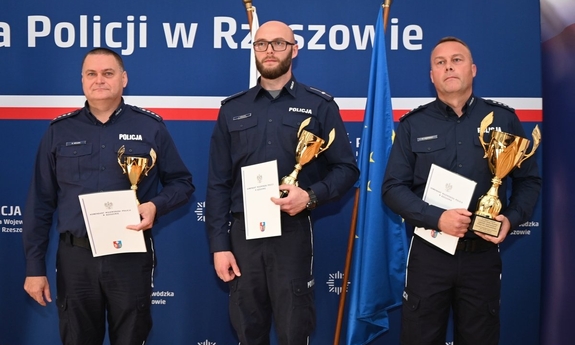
pixel 182 59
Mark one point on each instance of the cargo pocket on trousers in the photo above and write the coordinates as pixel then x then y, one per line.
pixel 143 323
pixel 410 302
pixel 303 309
pixel 410 318
pixel 493 310
pixel 62 304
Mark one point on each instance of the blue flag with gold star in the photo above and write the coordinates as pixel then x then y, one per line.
pixel 380 247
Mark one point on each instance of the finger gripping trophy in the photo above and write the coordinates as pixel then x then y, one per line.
pixel 309 146
pixel 504 152
pixel 135 167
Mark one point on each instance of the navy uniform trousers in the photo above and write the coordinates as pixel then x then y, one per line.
pixel 92 289
pixel 276 281
pixel 467 283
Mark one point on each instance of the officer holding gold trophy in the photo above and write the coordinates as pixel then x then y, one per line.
pixel 299 127
pixel 91 150
pixel 454 133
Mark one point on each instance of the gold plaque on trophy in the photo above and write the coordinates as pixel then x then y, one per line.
pixel 309 146
pixel 135 167
pixel 504 152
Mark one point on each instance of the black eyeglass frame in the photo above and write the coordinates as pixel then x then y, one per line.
pixel 272 43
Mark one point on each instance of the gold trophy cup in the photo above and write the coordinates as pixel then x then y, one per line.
pixel 309 146
pixel 504 152
pixel 135 167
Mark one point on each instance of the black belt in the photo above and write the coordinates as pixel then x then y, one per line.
pixel 70 239
pixel 474 245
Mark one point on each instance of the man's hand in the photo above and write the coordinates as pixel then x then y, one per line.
pixel 295 202
pixel 505 227
pixel 39 289
pixel 455 221
pixel 226 266
pixel 148 214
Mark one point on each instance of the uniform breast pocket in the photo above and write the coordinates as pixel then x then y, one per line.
pixel 135 149
pixel 73 162
pixel 137 158
pixel 291 125
pixel 243 133
pixel 428 151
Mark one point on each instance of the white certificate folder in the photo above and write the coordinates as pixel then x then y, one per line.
pixel 262 217
pixel 106 216
pixel 447 190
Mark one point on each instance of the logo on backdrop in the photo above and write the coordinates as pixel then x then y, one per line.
pixel 11 220
pixel 207 342
pixel 334 282
pixel 200 206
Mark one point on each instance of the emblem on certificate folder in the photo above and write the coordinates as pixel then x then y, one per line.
pixel 309 146
pixel 135 167
pixel 504 152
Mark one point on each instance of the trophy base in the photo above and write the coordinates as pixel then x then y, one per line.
pixel 485 225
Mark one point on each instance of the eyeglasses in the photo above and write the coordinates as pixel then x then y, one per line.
pixel 277 46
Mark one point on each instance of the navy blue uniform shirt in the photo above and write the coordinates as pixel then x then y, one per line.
pixel 433 133
pixel 253 127
pixel 78 155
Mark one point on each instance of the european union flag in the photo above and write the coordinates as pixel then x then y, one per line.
pixel 380 248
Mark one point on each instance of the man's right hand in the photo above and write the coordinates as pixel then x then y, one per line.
pixel 226 266
pixel 39 289
pixel 455 221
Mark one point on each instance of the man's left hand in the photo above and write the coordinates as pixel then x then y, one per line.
pixel 147 214
pixel 295 202
pixel 505 227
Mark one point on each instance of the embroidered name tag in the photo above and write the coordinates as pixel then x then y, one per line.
pixel 431 137
pixel 241 117
pixel 73 143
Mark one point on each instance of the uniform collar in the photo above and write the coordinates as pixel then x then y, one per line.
pixel 290 87
pixel 112 117
pixel 446 109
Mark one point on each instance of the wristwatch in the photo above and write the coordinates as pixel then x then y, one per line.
pixel 312 203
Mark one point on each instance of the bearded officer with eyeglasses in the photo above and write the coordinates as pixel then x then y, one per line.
pixel 273 277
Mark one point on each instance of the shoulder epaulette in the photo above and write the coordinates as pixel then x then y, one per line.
pixel 499 104
pixel 66 116
pixel 319 92
pixel 413 111
pixel 233 96
pixel 147 112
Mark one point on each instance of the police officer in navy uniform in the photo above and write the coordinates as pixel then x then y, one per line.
pixel 273 276
pixel 445 132
pixel 79 155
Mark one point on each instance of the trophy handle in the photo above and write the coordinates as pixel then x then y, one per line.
pixel 330 140
pixel 121 151
pixel 303 124
pixel 153 156
pixel 536 134
pixel 487 120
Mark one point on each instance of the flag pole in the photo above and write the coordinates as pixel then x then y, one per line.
pixel 351 238
pixel 249 12
pixel 386 7
pixel 347 268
